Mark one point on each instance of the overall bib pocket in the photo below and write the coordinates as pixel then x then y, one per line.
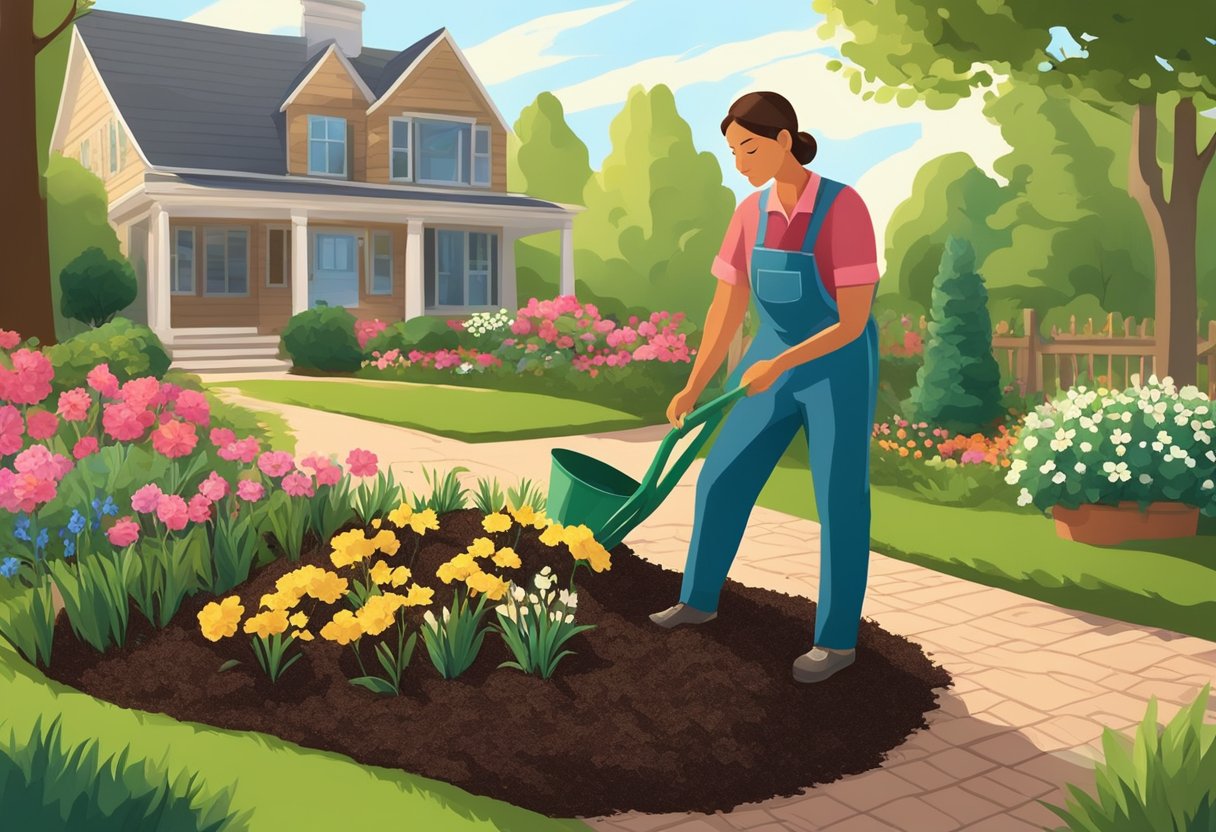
pixel 778 286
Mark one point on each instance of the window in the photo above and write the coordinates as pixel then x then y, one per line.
pixel 113 147
pixel 181 260
pixel 85 155
pixel 382 263
pixel 278 254
pixel 481 155
pixel 326 146
pixel 461 267
pixel 401 167
pixel 227 261
pixel 443 151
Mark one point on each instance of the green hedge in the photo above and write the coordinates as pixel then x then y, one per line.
pixel 425 333
pixel 132 350
pixel 323 338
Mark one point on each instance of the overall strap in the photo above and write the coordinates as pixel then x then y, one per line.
pixel 762 228
pixel 829 189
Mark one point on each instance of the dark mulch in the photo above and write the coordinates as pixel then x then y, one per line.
pixel 640 718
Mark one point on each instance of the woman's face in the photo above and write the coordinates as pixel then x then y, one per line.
pixel 756 157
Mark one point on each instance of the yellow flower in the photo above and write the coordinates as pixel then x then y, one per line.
pixel 482 547
pixel 350 547
pixel 381 573
pixel 400 576
pixel 400 516
pixel 343 629
pixel 299 620
pixel 282 600
pixel 552 535
pixel 419 596
pixel 524 515
pixel 376 615
pixel 219 620
pixel 507 558
pixel 327 587
pixel 496 522
pixel 575 534
pixel 375 522
pixel 387 542
pixel 590 550
pixel 302 635
pixel 541 521
pixel 269 623
pixel 458 568
pixel 493 586
pixel 296 581
pixel 424 520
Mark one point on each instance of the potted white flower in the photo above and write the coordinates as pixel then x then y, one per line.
pixel 1116 465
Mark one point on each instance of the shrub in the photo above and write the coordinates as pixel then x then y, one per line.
pixel 47 787
pixel 96 287
pixel 323 338
pixel 1165 781
pixel 1143 444
pixel 424 333
pixel 131 350
pixel 959 386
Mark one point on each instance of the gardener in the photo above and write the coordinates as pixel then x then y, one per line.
pixel 807 245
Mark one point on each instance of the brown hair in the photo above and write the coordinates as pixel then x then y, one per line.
pixel 767 114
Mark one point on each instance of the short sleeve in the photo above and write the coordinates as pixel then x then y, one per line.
pixel 853 250
pixel 731 262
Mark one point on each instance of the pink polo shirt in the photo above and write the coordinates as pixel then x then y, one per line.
pixel 844 252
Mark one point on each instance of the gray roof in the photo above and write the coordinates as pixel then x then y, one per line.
pixel 203 97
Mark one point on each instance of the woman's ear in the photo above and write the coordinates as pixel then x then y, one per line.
pixel 785 140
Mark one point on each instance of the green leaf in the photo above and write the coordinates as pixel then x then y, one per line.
pixel 375 684
pixel 228 665
pixel 834 65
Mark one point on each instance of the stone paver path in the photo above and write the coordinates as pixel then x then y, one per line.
pixel 1034 683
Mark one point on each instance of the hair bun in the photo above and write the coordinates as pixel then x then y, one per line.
pixel 805 147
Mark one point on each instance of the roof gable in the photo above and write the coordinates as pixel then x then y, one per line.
pixel 332 53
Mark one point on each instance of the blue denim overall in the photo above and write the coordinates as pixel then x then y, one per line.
pixel 833 398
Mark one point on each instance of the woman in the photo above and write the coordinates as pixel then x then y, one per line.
pixel 805 247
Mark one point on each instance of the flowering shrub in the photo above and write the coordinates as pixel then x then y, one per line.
pixel 367 330
pixel 1144 444
pixel 487 325
pixel 900 339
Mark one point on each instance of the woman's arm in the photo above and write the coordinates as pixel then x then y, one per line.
pixel 854 303
pixel 722 321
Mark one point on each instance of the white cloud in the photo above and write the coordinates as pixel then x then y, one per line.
pixel 678 71
pixel 264 16
pixel 522 49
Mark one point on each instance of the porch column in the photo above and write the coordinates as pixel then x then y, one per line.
pixel 566 281
pixel 415 294
pixel 508 289
pixel 299 263
pixel 159 273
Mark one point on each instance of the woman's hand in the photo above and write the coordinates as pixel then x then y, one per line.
pixel 761 375
pixel 681 404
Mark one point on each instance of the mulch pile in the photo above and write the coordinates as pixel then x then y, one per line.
pixel 640 718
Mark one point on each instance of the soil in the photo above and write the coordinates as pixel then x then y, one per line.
pixel 640 718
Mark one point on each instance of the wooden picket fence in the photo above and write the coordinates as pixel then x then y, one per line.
pixel 1087 353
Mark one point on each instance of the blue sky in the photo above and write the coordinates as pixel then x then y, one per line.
pixel 591 53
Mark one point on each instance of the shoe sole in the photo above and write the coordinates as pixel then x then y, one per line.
pixel 666 626
pixel 808 677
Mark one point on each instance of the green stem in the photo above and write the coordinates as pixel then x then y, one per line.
pixel 354 645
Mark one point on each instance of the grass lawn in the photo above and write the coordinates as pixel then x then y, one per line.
pixel 1166 583
pixel 471 414
pixel 278 785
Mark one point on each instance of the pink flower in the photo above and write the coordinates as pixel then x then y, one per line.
pixel 214 488
pixel 142 392
pixel 565 342
pixel 367 330
pixel 314 462
pixel 192 406
pixel 647 329
pixel 250 491
pixel 11 429
pixel 25 491
pixel 298 484
pixel 243 450
pixel 145 499
pixel 362 463
pixel 170 392
pixel 86 446
pixel 9 339
pixel 221 437
pixel 971 455
pixel 124 422
pixel 39 461
pixel 29 382
pixel 198 510
pixel 74 404
pixel 103 381
pixel 329 475
pixel 276 463
pixel 123 533
pixel 174 439
pixel 173 512
pixel 41 424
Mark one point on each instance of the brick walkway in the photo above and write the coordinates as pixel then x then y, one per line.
pixel 1034 683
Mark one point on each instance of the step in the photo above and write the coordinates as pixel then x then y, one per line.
pixel 194 352
pixel 233 365
pixel 221 340
pixel 215 331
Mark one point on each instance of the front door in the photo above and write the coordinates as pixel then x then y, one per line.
pixel 334 277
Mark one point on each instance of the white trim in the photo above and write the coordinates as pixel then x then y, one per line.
pixel 508 290
pixel 346 64
pixel 409 167
pixel 300 241
pixel 445 36
pixel 287 264
pixel 415 277
pixel 71 86
pixel 566 274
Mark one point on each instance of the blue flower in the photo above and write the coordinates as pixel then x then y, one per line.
pixel 43 537
pixel 76 522
pixel 69 548
pixel 21 528
pixel 9 567
pixel 109 508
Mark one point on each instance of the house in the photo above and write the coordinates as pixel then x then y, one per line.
pixel 251 176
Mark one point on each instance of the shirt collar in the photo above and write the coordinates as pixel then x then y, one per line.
pixel 806 201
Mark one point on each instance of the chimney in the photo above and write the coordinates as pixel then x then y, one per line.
pixel 340 21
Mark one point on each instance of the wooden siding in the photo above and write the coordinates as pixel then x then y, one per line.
pixel 330 92
pixel 88 120
pixel 438 85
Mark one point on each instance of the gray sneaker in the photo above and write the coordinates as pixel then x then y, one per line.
pixel 681 614
pixel 820 663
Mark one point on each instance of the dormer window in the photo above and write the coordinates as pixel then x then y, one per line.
pixel 439 151
pixel 327 146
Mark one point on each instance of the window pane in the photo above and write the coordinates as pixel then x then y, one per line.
pixel 276 268
pixel 481 170
pixel 337 129
pixel 439 148
pixel 337 158
pixel 216 284
pixel 401 134
pixel 238 262
pixel 316 157
pixel 428 266
pixel 483 141
pixel 450 277
pixel 494 270
pixel 183 258
pixel 401 164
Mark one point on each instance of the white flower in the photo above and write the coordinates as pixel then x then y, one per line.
pixel 568 599
pixel 1012 477
pixel 1157 446
pixel 1047 467
pixel 1202 437
pixel 1030 442
pixel 1126 416
pixel 1025 498
pixel 447 615
pixel 1063 440
pixel 1120 437
pixel 1117 472
pixel 1086 447
pixel 1190 462
pixel 1211 455
pixel 518 593
pixel 1181 419
pixel 429 618
pixel 1059 477
pixel 1079 468
pixel 1018 465
pixel 1145 479
pixel 1121 450
pixel 1208 485
pixel 1164 438
pixel 569 618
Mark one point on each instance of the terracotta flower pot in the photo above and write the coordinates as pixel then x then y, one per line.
pixel 1105 525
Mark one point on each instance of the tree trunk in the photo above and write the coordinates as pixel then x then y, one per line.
pixel 1173 226
pixel 25 278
